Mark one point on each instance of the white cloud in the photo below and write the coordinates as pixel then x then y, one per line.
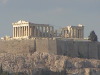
pixel 4 1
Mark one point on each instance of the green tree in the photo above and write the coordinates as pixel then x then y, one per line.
pixel 92 36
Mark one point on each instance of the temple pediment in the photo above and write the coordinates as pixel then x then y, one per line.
pixel 20 22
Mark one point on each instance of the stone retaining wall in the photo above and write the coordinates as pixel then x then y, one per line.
pixel 17 46
pixel 83 49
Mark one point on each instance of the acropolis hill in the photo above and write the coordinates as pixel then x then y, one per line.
pixel 39 48
pixel 30 37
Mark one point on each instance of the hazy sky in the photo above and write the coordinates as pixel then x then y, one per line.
pixel 58 13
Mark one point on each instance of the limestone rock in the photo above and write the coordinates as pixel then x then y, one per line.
pixel 48 64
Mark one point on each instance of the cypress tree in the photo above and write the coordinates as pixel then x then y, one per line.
pixel 92 36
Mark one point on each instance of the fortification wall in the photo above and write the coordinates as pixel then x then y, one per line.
pixel 83 49
pixel 42 45
pixel 46 45
pixel 17 46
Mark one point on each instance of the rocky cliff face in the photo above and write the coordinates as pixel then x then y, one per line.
pixel 46 64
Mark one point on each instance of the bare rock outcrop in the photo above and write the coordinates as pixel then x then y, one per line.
pixel 48 64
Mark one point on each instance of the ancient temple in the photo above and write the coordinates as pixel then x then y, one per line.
pixel 73 31
pixel 24 29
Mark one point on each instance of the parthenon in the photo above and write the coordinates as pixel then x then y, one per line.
pixel 24 29
pixel 73 31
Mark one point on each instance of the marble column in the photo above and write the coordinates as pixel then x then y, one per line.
pixel 38 31
pixel 22 31
pixel 73 33
pixel 82 32
pixel 79 34
pixel 29 30
pixel 34 31
pixel 18 31
pixel 76 33
pixel 41 31
pixel 52 31
pixel 64 33
pixel 13 31
pixel 25 31
pixel 70 33
pixel 45 31
pixel 48 31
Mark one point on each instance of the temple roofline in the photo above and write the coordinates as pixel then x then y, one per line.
pixel 20 22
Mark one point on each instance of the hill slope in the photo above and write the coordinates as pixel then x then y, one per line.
pixel 48 64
